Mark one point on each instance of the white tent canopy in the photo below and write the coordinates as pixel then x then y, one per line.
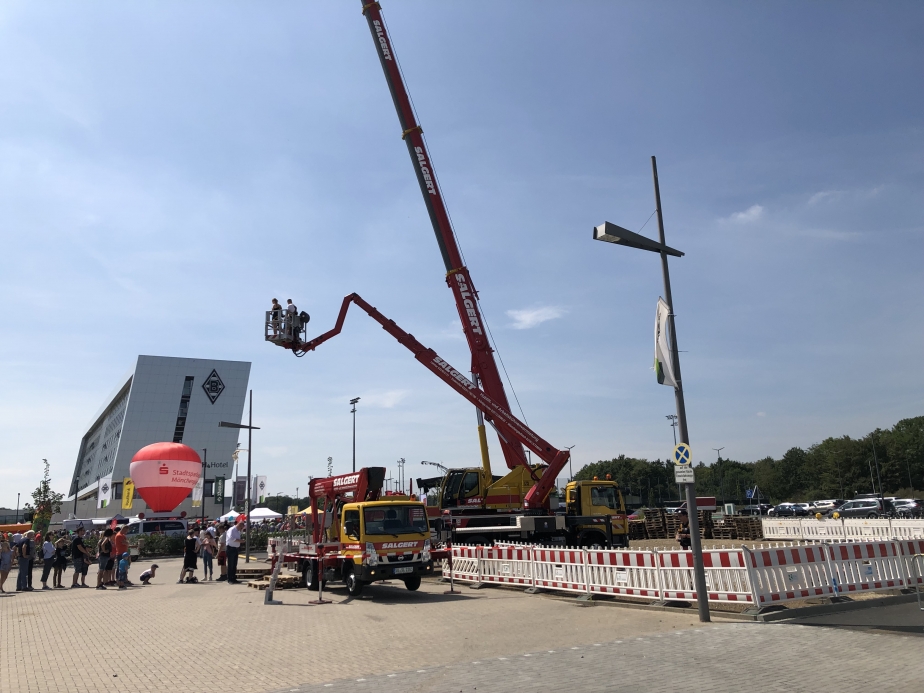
pixel 263 514
pixel 229 516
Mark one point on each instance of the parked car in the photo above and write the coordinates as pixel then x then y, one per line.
pixel 755 510
pixel 172 528
pixel 908 507
pixel 823 506
pixel 868 508
pixel 789 510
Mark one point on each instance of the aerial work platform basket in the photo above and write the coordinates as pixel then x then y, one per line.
pixel 285 329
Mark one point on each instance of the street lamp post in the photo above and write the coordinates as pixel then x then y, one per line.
pixel 570 470
pixel 673 419
pixel 205 465
pixel 17 508
pixel 250 429
pixel 718 458
pixel 615 234
pixel 353 411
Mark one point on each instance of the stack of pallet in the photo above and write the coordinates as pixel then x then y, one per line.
pixel 706 524
pixel 748 528
pixel 637 530
pixel 283 582
pixel 654 524
pixel 725 529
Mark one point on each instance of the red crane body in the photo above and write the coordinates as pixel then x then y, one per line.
pixel 509 428
pixel 457 274
pixel 364 485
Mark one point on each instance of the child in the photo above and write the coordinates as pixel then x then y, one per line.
pixel 148 574
pixel 122 573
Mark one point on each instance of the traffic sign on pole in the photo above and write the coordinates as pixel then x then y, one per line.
pixel 683 475
pixel 682 455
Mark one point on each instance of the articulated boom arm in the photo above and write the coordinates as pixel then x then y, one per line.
pixel 457 275
pixel 509 427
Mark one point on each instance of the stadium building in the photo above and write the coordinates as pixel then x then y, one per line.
pixel 161 399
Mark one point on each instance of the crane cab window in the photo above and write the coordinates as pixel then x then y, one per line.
pixel 351 524
pixel 604 496
pixel 470 483
pixel 395 520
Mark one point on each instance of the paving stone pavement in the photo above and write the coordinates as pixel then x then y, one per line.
pixel 733 657
pixel 214 637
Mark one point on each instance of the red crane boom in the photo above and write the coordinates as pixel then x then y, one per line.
pixel 457 274
pixel 510 429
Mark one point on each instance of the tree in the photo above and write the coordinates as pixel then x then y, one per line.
pixel 47 502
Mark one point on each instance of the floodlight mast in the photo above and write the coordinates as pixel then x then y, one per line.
pixel 457 274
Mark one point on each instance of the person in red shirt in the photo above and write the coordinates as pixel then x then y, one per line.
pixel 120 541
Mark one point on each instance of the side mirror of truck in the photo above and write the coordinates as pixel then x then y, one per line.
pixel 351 529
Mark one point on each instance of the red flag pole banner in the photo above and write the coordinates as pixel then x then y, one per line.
pixel 165 473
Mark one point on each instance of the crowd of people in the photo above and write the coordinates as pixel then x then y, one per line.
pixel 216 543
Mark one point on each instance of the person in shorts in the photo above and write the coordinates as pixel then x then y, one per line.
pixel 146 576
pixel 104 556
pixel 190 549
pixel 122 571
pixel 81 558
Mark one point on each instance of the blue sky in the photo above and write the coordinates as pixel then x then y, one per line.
pixel 167 168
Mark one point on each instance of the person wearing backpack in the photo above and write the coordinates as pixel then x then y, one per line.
pixel 60 561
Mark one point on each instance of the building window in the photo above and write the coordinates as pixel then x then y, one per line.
pixel 209 489
pixel 183 410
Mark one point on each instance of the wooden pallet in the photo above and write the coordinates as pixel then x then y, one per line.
pixel 283 582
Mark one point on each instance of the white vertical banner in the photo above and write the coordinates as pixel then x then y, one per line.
pixel 197 493
pixel 104 492
pixel 258 490
pixel 663 365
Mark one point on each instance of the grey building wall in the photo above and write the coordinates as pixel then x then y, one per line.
pixel 149 406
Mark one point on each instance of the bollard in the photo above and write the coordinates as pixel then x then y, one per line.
pixel 268 594
pixel 451 589
pixel 320 599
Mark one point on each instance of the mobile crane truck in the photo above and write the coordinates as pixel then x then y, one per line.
pixel 362 536
pixel 518 504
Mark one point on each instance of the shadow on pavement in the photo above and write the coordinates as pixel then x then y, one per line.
pixel 896 618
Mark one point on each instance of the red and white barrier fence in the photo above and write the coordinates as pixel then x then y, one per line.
pixel 762 577
pixel 829 529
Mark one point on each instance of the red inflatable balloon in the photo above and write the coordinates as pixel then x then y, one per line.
pixel 165 473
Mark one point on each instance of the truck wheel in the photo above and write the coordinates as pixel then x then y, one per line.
pixel 593 540
pixel 412 582
pixel 353 584
pixel 310 576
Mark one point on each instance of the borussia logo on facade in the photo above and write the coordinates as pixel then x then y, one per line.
pixel 213 386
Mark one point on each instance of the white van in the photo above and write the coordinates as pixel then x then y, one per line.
pixel 172 528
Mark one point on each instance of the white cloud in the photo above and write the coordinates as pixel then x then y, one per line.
pixel 752 213
pixel 384 400
pixel 531 317
pixel 825 195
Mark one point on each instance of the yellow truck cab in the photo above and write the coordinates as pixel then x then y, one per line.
pixel 377 540
pixel 597 499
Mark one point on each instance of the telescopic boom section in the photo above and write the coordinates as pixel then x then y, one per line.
pixel 457 275
pixel 509 427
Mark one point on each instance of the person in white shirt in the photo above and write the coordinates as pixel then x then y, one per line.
pixel 233 547
pixel 48 559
